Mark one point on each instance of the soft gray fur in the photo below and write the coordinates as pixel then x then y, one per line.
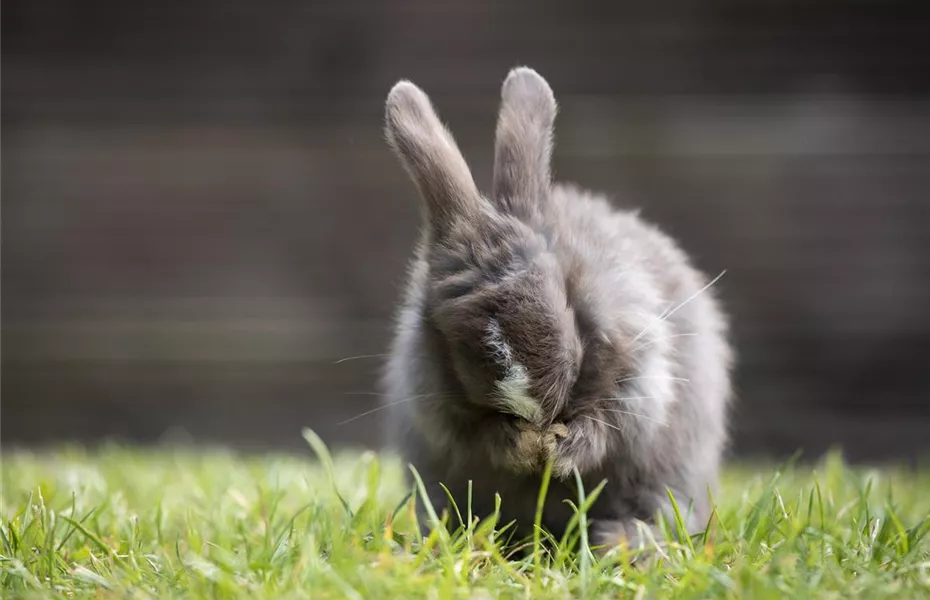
pixel 540 323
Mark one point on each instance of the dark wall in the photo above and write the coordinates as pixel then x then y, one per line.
pixel 200 216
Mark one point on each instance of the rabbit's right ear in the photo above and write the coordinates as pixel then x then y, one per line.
pixel 430 156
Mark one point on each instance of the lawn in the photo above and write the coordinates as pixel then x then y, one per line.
pixel 118 522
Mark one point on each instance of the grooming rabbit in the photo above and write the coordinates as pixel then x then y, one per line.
pixel 540 323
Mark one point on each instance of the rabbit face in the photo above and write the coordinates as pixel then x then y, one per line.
pixel 540 374
pixel 505 317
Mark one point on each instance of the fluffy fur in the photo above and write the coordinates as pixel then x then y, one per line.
pixel 542 324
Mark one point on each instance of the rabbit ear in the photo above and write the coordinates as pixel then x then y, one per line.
pixel 523 146
pixel 430 155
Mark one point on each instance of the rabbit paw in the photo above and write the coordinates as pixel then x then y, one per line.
pixel 535 446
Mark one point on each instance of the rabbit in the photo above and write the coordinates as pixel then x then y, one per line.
pixel 542 326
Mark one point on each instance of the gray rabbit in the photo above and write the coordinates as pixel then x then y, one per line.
pixel 540 324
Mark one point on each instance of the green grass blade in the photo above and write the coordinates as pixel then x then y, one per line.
pixel 537 523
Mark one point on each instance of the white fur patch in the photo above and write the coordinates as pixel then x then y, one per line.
pixel 514 393
pixel 513 389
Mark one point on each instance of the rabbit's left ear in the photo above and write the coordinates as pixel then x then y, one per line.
pixel 523 142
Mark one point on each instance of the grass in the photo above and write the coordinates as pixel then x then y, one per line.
pixel 123 523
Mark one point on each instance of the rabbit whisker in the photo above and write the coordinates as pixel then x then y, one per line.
pixel 366 393
pixel 668 313
pixel 696 294
pixel 598 399
pixel 605 423
pixel 667 337
pixel 348 358
pixel 632 414
pixel 388 405
pixel 625 379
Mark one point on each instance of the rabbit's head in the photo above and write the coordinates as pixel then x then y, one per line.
pixel 517 329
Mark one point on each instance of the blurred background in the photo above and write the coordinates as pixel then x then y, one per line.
pixel 201 218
